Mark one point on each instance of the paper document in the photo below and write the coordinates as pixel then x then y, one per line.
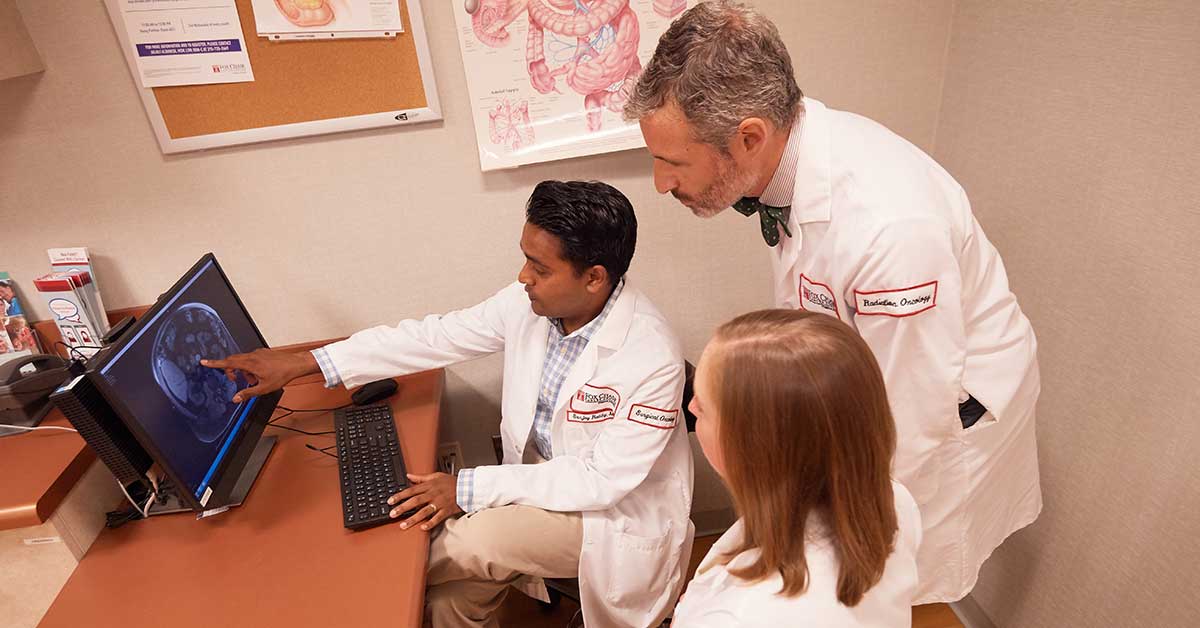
pixel 186 42
pixel 326 19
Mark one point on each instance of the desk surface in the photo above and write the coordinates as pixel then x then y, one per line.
pixel 281 559
pixel 37 470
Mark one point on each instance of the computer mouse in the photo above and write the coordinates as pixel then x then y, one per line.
pixel 374 391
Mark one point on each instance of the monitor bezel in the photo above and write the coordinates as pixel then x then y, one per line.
pixel 244 442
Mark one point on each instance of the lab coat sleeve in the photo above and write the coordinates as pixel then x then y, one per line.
pixel 433 342
pixel 920 347
pixel 622 457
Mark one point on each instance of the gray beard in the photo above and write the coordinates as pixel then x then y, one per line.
pixel 731 184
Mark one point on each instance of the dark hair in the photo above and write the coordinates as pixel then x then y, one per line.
pixel 593 221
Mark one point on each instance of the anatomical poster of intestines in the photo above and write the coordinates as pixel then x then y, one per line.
pixel 548 78
pixel 326 19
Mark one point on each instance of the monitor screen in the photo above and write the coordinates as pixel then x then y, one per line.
pixel 183 408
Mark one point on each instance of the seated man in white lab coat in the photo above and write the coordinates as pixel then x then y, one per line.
pixel 597 473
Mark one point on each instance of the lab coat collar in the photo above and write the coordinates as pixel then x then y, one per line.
pixel 611 336
pixel 612 333
pixel 813 191
pixel 590 328
pixel 780 188
pixel 812 196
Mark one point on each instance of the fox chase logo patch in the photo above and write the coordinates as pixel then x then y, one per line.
pixel 897 303
pixel 654 417
pixel 593 404
pixel 817 297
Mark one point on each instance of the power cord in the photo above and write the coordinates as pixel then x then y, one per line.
pixel 118 518
pixel 40 427
pixel 291 410
pixel 322 450
pixel 75 351
pixel 144 511
pixel 274 422
pixel 292 429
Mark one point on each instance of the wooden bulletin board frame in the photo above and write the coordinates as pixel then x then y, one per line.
pixel 379 82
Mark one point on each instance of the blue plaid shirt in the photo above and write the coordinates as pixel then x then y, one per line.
pixel 332 377
pixel 562 350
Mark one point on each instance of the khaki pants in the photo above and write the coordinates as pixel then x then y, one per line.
pixel 473 559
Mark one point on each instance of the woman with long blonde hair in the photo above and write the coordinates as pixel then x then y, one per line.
pixel 793 415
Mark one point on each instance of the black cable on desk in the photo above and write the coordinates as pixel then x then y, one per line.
pixel 321 450
pixel 72 351
pixel 292 429
pixel 290 411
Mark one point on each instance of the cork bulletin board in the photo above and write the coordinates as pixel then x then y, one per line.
pixel 301 88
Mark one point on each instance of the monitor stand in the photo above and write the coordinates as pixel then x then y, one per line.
pixel 170 501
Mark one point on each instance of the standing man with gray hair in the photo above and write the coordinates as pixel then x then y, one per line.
pixel 865 227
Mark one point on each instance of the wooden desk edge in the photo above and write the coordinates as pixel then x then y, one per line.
pixel 39 511
pixel 416 598
pixel 63 484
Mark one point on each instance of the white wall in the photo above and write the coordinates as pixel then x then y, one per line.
pixel 327 235
pixel 1073 127
pixel 18 55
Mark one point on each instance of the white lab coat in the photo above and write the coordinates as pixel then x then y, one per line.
pixel 716 598
pixel 621 453
pixel 885 240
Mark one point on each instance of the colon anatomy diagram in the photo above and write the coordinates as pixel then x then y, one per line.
pixel 306 13
pixel 508 124
pixel 590 46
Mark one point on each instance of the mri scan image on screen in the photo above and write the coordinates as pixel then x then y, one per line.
pixel 203 396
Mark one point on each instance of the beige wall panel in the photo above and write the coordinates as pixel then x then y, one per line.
pixel 1073 126
pixel 18 55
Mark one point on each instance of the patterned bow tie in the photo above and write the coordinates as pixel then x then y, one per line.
pixel 771 218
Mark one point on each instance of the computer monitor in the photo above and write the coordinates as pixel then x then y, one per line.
pixel 180 412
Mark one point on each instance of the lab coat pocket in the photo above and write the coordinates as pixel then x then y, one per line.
pixel 639 575
pixel 987 420
pixel 983 443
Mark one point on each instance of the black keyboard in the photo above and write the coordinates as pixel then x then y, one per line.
pixel 370 465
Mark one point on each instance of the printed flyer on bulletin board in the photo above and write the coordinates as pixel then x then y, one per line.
pixel 186 42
